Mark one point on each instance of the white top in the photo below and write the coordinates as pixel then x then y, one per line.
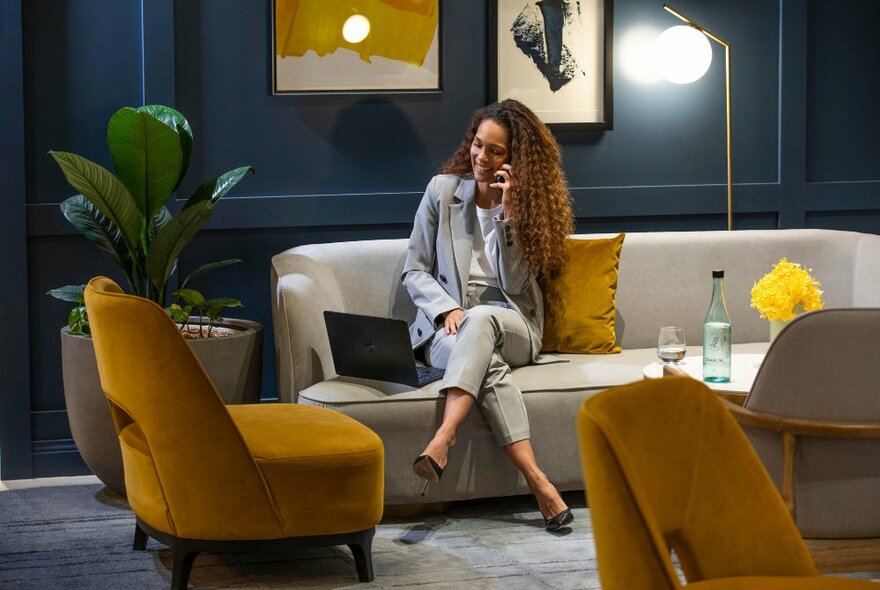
pixel 483 270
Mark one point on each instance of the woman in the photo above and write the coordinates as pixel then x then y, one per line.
pixel 488 238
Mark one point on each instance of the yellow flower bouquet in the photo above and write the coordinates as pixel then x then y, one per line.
pixel 786 291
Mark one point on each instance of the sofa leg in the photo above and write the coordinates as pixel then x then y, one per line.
pixel 183 562
pixel 140 538
pixel 362 551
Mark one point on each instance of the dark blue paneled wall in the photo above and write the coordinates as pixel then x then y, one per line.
pixel 15 432
pixel 349 167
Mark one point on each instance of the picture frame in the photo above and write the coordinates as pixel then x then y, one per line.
pixel 555 56
pixel 313 53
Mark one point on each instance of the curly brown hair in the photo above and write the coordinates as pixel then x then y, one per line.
pixel 540 197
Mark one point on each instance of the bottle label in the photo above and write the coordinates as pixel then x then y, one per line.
pixel 716 351
pixel 717 339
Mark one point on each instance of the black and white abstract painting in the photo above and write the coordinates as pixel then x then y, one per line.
pixel 551 55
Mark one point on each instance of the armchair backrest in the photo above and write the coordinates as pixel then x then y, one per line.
pixel 666 467
pixel 825 365
pixel 187 468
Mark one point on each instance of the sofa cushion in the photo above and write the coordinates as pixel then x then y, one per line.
pixel 581 372
pixel 584 323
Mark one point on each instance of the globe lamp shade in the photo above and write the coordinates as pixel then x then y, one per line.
pixel 683 54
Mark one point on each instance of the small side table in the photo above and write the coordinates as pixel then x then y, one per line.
pixel 743 369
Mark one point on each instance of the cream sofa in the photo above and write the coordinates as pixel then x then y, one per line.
pixel 665 279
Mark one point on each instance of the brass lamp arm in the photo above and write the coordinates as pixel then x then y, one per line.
pixel 726 46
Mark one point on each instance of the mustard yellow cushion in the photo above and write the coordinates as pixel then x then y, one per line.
pixel 585 321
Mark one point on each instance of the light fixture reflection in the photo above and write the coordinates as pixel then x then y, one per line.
pixel 683 54
pixel 634 53
pixel 356 28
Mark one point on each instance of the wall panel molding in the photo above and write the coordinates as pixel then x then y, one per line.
pixel 15 433
pixel 844 196
pixel 157 30
pixel 792 111
pixel 340 210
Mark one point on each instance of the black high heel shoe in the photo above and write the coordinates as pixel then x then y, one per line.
pixel 562 519
pixel 427 468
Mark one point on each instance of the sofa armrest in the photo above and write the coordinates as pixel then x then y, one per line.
pixel 302 289
pixel 866 272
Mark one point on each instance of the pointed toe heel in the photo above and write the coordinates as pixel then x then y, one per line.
pixel 562 519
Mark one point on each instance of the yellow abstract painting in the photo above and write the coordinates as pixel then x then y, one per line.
pixel 395 45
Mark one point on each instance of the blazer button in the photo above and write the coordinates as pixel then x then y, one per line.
pixel 509 244
pixel 533 313
pixel 443 278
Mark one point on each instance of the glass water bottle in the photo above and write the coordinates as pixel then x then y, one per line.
pixel 717 335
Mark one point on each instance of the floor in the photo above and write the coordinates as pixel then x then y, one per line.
pixel 42 482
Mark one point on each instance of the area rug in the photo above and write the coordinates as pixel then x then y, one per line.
pixel 80 537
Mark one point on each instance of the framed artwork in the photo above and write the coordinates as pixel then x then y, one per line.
pixel 355 46
pixel 555 57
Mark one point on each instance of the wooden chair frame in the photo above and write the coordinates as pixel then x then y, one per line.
pixel 830 555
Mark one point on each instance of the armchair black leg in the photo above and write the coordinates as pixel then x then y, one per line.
pixel 184 551
pixel 362 551
pixel 140 538
pixel 183 562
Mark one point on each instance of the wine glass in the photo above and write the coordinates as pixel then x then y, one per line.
pixel 671 347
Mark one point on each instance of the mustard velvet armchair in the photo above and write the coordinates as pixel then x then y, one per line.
pixel 667 468
pixel 204 477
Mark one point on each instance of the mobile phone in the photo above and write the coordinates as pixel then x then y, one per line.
pixel 499 178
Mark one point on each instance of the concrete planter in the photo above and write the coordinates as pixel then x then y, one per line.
pixel 234 363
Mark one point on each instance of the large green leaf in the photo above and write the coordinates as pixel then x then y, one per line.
pixel 71 293
pixel 191 297
pixel 169 242
pixel 97 227
pixel 105 191
pixel 178 122
pixel 205 268
pixel 148 157
pixel 161 218
pixel 158 221
pixel 213 190
pixel 221 302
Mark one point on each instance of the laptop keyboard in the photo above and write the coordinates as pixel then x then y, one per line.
pixel 428 374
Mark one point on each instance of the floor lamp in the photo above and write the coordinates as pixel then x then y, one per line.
pixel 685 56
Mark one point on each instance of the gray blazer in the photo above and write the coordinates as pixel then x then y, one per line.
pixel 438 261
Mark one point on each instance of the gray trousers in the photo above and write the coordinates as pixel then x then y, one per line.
pixel 491 339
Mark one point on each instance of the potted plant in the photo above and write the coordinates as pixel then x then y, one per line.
pixel 125 216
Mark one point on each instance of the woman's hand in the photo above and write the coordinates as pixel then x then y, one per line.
pixel 452 319
pixel 506 174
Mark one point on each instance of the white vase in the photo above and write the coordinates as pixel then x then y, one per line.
pixel 775 327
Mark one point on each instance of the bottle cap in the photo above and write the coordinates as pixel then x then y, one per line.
pixel 717 274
